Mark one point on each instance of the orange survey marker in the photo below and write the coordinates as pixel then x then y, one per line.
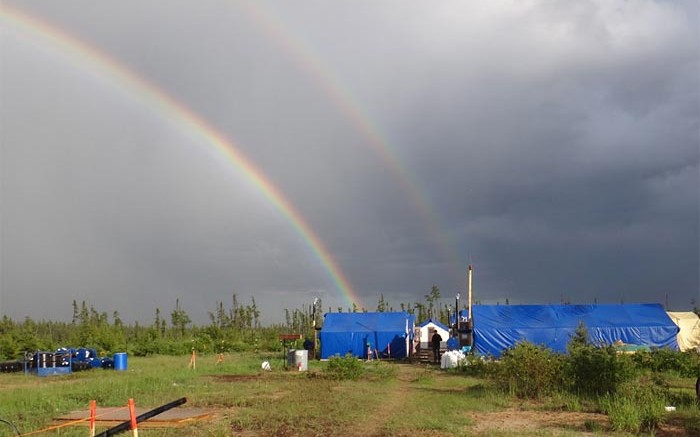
pixel 93 408
pixel 193 360
pixel 132 415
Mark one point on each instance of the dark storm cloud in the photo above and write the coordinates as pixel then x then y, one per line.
pixel 557 144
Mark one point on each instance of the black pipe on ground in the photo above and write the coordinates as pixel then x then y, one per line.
pixel 12 425
pixel 126 426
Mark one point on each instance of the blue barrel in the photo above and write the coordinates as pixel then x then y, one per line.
pixel 120 361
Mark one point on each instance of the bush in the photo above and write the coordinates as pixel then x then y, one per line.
pixel 347 367
pixel 594 371
pixel 474 365
pixel 528 371
pixel 685 364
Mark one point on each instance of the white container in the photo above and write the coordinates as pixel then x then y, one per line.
pixel 451 359
pixel 298 360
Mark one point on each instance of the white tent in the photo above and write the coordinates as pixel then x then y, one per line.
pixel 427 328
pixel 689 336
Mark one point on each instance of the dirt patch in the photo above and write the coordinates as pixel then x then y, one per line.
pixel 670 430
pixel 562 422
pixel 517 420
pixel 237 378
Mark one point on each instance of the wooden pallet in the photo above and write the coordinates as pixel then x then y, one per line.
pixel 112 416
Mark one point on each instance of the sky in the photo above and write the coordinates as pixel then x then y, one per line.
pixel 154 152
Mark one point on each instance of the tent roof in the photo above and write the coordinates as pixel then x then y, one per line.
pixel 498 327
pixel 434 322
pixel 367 322
pixel 559 316
pixel 683 315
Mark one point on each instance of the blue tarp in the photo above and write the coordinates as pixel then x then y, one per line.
pixel 344 333
pixel 498 327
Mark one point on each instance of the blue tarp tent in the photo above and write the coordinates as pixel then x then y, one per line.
pixel 344 333
pixel 497 327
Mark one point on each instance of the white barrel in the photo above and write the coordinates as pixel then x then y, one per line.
pixel 298 360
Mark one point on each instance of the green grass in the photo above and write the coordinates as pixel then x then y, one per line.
pixel 389 399
pixel 274 402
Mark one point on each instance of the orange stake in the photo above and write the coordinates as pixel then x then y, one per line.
pixel 132 414
pixel 93 407
pixel 193 360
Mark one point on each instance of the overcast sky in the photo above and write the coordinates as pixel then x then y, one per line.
pixel 554 145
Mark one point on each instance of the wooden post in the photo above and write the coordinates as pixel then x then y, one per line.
pixel 93 408
pixel 193 360
pixel 132 416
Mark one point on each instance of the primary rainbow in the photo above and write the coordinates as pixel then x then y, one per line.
pixel 166 106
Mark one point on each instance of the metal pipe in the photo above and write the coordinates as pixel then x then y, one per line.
pixel 469 287
pixel 457 311
pixel 125 426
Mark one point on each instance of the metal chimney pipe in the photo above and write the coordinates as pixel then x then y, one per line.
pixel 469 287
pixel 457 311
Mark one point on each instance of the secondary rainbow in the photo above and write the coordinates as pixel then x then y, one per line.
pixel 166 106
pixel 328 82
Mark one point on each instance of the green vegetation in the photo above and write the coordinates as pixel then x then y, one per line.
pixel 528 371
pixel 235 328
pixel 632 390
pixel 586 363
pixel 636 406
pixel 347 367
pixel 346 396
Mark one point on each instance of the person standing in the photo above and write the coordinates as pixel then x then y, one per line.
pixel 435 341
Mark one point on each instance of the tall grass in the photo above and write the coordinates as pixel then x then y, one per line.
pixel 636 407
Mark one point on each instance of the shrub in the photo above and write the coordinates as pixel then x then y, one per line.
pixel 528 371
pixel 474 365
pixel 591 370
pixel 685 364
pixel 347 367
pixel 594 370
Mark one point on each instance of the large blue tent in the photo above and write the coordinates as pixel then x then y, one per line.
pixel 389 333
pixel 498 327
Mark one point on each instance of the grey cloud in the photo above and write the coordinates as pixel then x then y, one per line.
pixel 557 144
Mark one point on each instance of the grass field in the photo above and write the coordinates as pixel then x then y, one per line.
pixel 390 399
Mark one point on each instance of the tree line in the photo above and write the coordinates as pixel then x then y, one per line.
pixel 232 327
